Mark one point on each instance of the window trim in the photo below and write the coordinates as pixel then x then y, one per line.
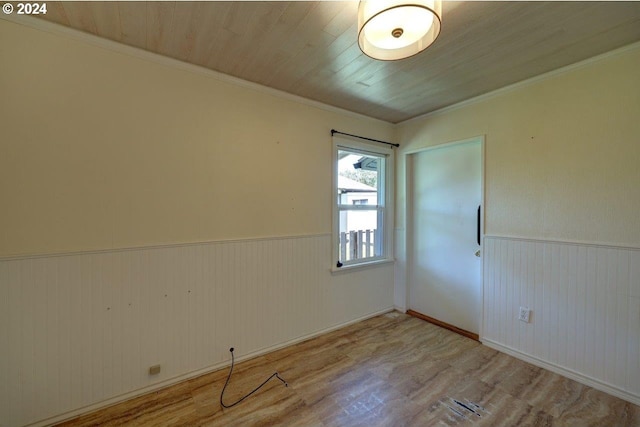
pixel 362 147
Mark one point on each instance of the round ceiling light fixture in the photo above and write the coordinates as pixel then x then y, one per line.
pixel 389 30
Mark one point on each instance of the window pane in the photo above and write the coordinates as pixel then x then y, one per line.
pixel 358 178
pixel 360 234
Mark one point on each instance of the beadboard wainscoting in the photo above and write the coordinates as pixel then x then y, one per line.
pixel 81 330
pixel 585 309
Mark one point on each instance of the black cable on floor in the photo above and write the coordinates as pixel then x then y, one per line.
pixel 253 391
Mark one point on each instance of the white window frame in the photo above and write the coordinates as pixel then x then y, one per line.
pixel 386 201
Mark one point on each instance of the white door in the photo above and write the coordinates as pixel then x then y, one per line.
pixel 445 269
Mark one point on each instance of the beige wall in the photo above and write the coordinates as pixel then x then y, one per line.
pixel 562 163
pixel 102 149
pixel 562 155
pixel 106 150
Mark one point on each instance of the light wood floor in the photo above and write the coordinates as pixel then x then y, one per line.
pixel 392 370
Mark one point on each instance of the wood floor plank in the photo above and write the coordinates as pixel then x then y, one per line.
pixel 391 370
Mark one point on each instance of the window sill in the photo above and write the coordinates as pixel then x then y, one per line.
pixel 361 266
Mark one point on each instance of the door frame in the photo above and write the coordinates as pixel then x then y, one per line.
pixel 409 196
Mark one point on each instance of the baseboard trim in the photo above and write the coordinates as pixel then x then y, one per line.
pixel 175 380
pixel 571 374
pixel 445 325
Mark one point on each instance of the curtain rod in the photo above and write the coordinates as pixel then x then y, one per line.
pixel 333 131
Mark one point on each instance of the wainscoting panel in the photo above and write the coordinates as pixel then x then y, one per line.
pixel 81 330
pixel 585 302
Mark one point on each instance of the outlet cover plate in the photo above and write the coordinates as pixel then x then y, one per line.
pixel 524 314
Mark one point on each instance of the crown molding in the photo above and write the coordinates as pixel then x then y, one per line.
pixel 91 39
pixel 528 82
pixel 60 30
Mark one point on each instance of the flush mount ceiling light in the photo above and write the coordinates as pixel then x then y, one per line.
pixel 391 29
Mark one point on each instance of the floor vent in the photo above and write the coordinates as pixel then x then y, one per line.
pixel 463 409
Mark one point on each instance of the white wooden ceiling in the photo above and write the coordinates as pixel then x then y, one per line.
pixel 310 49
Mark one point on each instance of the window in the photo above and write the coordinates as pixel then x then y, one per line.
pixel 362 202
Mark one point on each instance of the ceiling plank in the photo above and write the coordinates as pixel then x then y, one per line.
pixel 80 16
pixel 159 24
pixel 187 20
pixel 209 36
pixel 266 18
pixel 106 16
pixel 56 13
pixel 133 23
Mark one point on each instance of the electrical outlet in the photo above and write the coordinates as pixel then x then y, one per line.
pixel 524 314
pixel 154 370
